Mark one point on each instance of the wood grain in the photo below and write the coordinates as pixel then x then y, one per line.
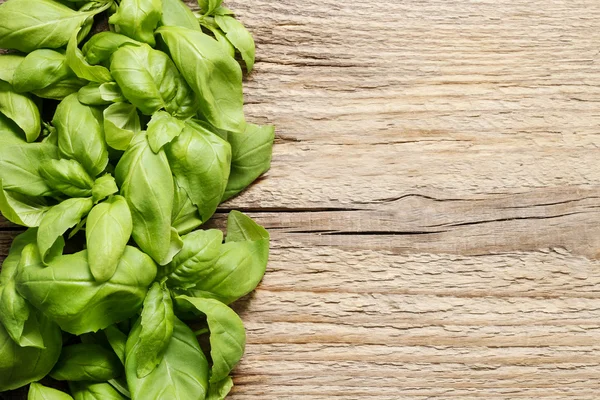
pixel 434 200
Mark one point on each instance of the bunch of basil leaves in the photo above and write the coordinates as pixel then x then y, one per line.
pixel 116 145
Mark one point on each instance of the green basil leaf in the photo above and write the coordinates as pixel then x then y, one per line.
pixel 157 328
pixel 162 129
pixel 121 124
pixel 213 75
pixel 185 217
pixel 94 391
pixel 138 19
pixel 239 36
pixel 100 94
pixel 10 264
pixel 227 335
pixel 219 390
pixel 10 133
pixel 67 176
pixel 22 210
pixel 38 391
pixel 79 65
pixel 8 66
pixel 59 219
pixel 200 251
pixel 40 69
pixel 102 45
pixel 45 24
pixel 19 318
pixel 60 90
pixel 86 362
pixel 182 374
pixel 146 182
pixel 251 157
pixel 201 161
pixel 241 264
pixel 117 340
pixel 19 168
pixel 67 292
pixel 150 81
pixel 22 365
pixel 208 6
pixel 104 187
pixel 177 13
pixel 21 109
pixel 221 10
pixel 223 41
pixel 80 134
pixel 108 230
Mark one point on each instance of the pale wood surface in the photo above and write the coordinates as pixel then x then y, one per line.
pixel 434 200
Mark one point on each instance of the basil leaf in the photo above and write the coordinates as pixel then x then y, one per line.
pixel 79 65
pixel 45 24
pixel 19 318
pixel 62 89
pixel 182 374
pixel 208 6
pixel 121 124
pixel 239 36
pixel 19 168
pixel 157 328
pixel 212 74
pixel 162 129
pixel 10 264
pixel 67 292
pixel 22 365
pixel 67 176
pixel 223 41
pixel 102 45
pixel 227 335
pixel 10 133
pixel 40 69
pixel 100 94
pixel 200 160
pixel 150 81
pixel 22 210
pixel 219 390
pixel 251 157
pixel 117 340
pixel 242 261
pixel 8 65
pixel 177 13
pixel 86 362
pixel 221 10
pixel 200 251
pixel 39 392
pixel 94 391
pixel 185 217
pixel 147 184
pixel 80 134
pixel 104 187
pixel 138 19
pixel 59 219
pixel 108 230
pixel 21 109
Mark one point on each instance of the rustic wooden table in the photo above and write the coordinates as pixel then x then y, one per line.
pixel 434 200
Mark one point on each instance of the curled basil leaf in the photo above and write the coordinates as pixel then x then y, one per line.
pixel 40 69
pixel 67 292
pixel 182 374
pixel 162 129
pixel 94 391
pixel 79 65
pixel 104 187
pixel 251 157
pixel 121 124
pixel 59 219
pixel 86 362
pixel 185 217
pixel 20 209
pixel 213 75
pixel 200 160
pixel 177 13
pixel 20 165
pixel 62 89
pixel 147 184
pixel 21 109
pixel 38 391
pixel 219 390
pixel 108 230
pixel 150 81
pixel 138 19
pixel 227 335
pixel 209 6
pixel 80 134
pixel 100 94
pixel 239 36
pixel 157 328
pixel 102 45
pixel 8 66
pixel 67 177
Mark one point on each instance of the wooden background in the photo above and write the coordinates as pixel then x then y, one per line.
pixel 434 200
